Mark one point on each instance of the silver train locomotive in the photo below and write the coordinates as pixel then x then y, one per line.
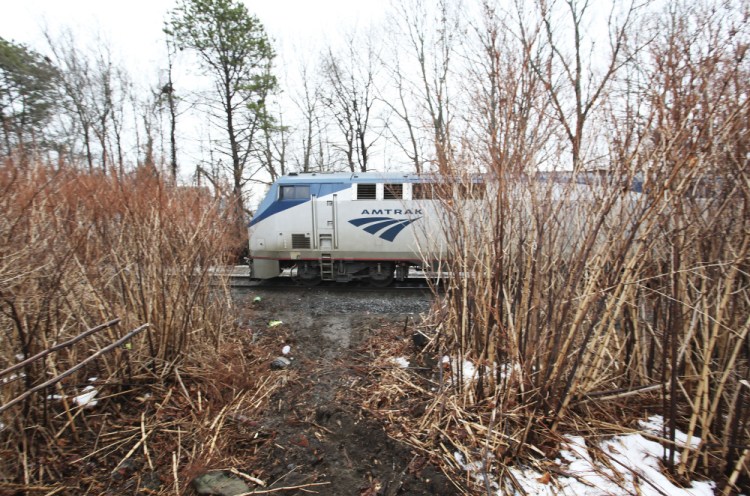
pixel 343 227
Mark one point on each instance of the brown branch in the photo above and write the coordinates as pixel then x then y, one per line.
pixel 73 369
pixel 59 346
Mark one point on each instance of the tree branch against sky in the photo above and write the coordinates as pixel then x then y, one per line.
pixel 575 71
pixel 350 78
pixel 431 34
pixel 236 54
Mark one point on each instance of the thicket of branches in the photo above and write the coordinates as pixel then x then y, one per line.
pixel 620 287
pixel 582 289
pixel 78 250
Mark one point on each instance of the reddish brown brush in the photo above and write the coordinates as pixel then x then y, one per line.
pixel 590 283
pixel 77 250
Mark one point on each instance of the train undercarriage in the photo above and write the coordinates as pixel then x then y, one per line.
pixel 313 272
pixel 378 274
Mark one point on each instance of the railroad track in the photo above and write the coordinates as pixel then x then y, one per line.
pixel 357 286
pixel 239 278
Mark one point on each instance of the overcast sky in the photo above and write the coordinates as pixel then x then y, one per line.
pixel 133 31
pixel 133 28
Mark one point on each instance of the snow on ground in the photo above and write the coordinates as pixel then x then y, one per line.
pixel 470 372
pixel 634 462
pixel 634 468
pixel 655 425
pixel 468 369
pixel 402 362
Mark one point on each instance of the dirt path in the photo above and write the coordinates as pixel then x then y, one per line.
pixel 315 430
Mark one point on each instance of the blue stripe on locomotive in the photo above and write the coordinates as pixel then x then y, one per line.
pixel 272 205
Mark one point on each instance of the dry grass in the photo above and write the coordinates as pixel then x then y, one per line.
pixel 565 293
pixel 77 250
pixel 582 303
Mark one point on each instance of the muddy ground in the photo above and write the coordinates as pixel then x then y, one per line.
pixel 317 431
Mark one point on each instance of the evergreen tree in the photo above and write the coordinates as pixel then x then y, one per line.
pixel 28 89
pixel 236 53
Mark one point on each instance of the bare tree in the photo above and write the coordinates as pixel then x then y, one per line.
pixel 271 152
pixel 508 100
pixel 568 67
pixel 75 78
pixel 107 97
pixel 95 90
pixel 168 92
pixel 431 36
pixel 146 110
pixel 123 87
pixel 351 97
pixel 309 101
pixel 402 105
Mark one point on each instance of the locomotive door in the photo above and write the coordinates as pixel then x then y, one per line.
pixel 325 221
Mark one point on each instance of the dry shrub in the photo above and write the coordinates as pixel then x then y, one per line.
pixel 583 301
pixel 584 296
pixel 77 250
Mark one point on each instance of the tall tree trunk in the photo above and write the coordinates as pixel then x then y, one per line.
pixel 172 118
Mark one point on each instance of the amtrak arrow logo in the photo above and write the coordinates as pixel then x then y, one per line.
pixel 386 226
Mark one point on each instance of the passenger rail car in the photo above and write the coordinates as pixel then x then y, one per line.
pixel 343 227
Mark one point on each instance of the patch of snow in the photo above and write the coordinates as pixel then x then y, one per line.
pixel 87 398
pixel 655 425
pixel 476 469
pixel 469 370
pixel 508 369
pixel 637 469
pixel 20 356
pixel 467 465
pixel 2 426
pixel 11 378
pixel 286 349
pixel 401 362
pixel 93 379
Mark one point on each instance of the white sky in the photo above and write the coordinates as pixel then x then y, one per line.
pixel 134 28
pixel 133 31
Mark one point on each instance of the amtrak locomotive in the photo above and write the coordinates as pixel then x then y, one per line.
pixel 343 227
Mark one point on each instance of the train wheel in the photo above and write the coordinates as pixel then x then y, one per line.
pixel 381 278
pixel 310 281
pixel 308 275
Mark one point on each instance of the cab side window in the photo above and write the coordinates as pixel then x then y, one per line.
pixel 295 192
